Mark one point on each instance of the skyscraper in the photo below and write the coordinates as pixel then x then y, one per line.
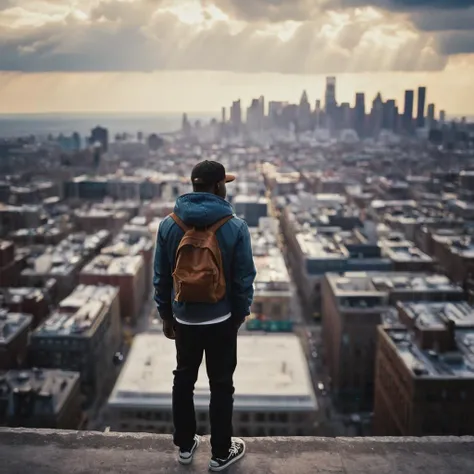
pixel 346 115
pixel 100 136
pixel 442 116
pixel 330 102
pixel 330 95
pixel 304 113
pixel 390 113
pixel 359 114
pixel 431 115
pixel 236 115
pixel 420 116
pixel 408 111
pixel 317 114
pixel 376 115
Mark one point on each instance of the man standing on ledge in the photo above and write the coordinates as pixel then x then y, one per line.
pixel 204 274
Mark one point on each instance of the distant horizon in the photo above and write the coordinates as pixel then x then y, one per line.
pixel 204 114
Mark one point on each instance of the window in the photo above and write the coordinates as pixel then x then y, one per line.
pixel 283 417
pixel 244 418
pixel 260 417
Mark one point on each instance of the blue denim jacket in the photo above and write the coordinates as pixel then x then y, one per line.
pixel 204 209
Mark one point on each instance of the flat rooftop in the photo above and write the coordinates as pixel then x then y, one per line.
pixel 128 244
pixel 317 246
pixel 53 387
pixel 272 374
pixel 18 295
pixel 49 451
pixel 110 265
pixel 434 315
pixel 430 364
pixel 80 314
pixel 400 253
pixel 66 256
pixel 387 282
pixel 272 274
pixel 12 324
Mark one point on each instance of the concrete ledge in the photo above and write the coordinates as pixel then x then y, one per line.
pixel 59 452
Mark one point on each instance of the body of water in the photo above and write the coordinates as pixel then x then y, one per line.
pixel 44 124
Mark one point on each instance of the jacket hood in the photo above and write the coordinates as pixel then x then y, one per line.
pixel 202 209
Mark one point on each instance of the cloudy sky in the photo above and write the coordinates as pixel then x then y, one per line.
pixel 196 55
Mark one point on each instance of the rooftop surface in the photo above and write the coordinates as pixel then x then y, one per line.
pixel 316 246
pixel 67 255
pixel 53 387
pixel 11 324
pixel 387 282
pixel 56 452
pixel 80 313
pixel 431 364
pixel 110 265
pixel 272 372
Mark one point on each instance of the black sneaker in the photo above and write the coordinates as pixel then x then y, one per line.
pixel 186 456
pixel 236 452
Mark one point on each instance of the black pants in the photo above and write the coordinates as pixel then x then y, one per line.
pixel 219 343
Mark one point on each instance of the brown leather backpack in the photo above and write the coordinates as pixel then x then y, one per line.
pixel 198 275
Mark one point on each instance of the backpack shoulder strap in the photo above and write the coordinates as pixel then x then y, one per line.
pixel 217 225
pixel 178 221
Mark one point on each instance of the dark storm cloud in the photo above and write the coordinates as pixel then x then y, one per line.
pixel 134 36
pixel 444 20
pixel 115 44
pixel 300 10
pixel 455 42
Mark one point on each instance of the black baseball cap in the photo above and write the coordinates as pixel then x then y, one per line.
pixel 210 172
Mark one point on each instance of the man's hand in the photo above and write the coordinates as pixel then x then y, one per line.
pixel 168 329
pixel 240 323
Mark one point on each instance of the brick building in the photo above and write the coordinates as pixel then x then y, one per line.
pixel 34 301
pixel 354 304
pixel 424 382
pixel 40 398
pixel 11 264
pixel 64 261
pixel 14 328
pixel 82 336
pixel 127 273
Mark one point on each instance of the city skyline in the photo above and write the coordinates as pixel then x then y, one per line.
pixel 169 55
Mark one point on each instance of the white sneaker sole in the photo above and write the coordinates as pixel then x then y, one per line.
pixel 187 461
pixel 221 468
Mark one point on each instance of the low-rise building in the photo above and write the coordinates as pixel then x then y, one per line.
pixel 34 301
pixel 19 217
pixel 14 328
pixel 64 261
pixel 274 394
pixel 95 219
pixel 425 372
pixel 273 291
pixel 11 264
pixel 251 208
pixel 405 257
pixel 132 243
pixel 40 398
pixel 127 273
pixel 82 335
pixel 354 304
